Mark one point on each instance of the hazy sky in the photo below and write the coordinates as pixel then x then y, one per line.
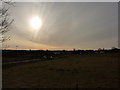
pixel 65 25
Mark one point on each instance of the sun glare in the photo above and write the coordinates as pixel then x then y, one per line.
pixel 36 22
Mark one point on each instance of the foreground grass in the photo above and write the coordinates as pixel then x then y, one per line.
pixel 84 71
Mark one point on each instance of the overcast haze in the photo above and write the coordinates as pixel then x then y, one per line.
pixel 65 25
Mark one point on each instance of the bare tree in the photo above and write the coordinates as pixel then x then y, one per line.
pixel 4 19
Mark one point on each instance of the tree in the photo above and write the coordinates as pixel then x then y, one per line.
pixel 74 49
pixel 4 19
pixel 114 48
pixel 99 49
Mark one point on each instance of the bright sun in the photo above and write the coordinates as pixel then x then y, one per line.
pixel 36 22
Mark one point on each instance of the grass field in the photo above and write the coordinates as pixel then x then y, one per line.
pixel 84 71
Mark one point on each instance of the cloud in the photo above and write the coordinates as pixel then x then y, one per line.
pixel 68 25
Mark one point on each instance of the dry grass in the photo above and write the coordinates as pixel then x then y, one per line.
pixel 86 71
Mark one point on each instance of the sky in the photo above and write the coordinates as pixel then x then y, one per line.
pixel 65 25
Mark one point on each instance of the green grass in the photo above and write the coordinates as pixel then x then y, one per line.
pixel 86 71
